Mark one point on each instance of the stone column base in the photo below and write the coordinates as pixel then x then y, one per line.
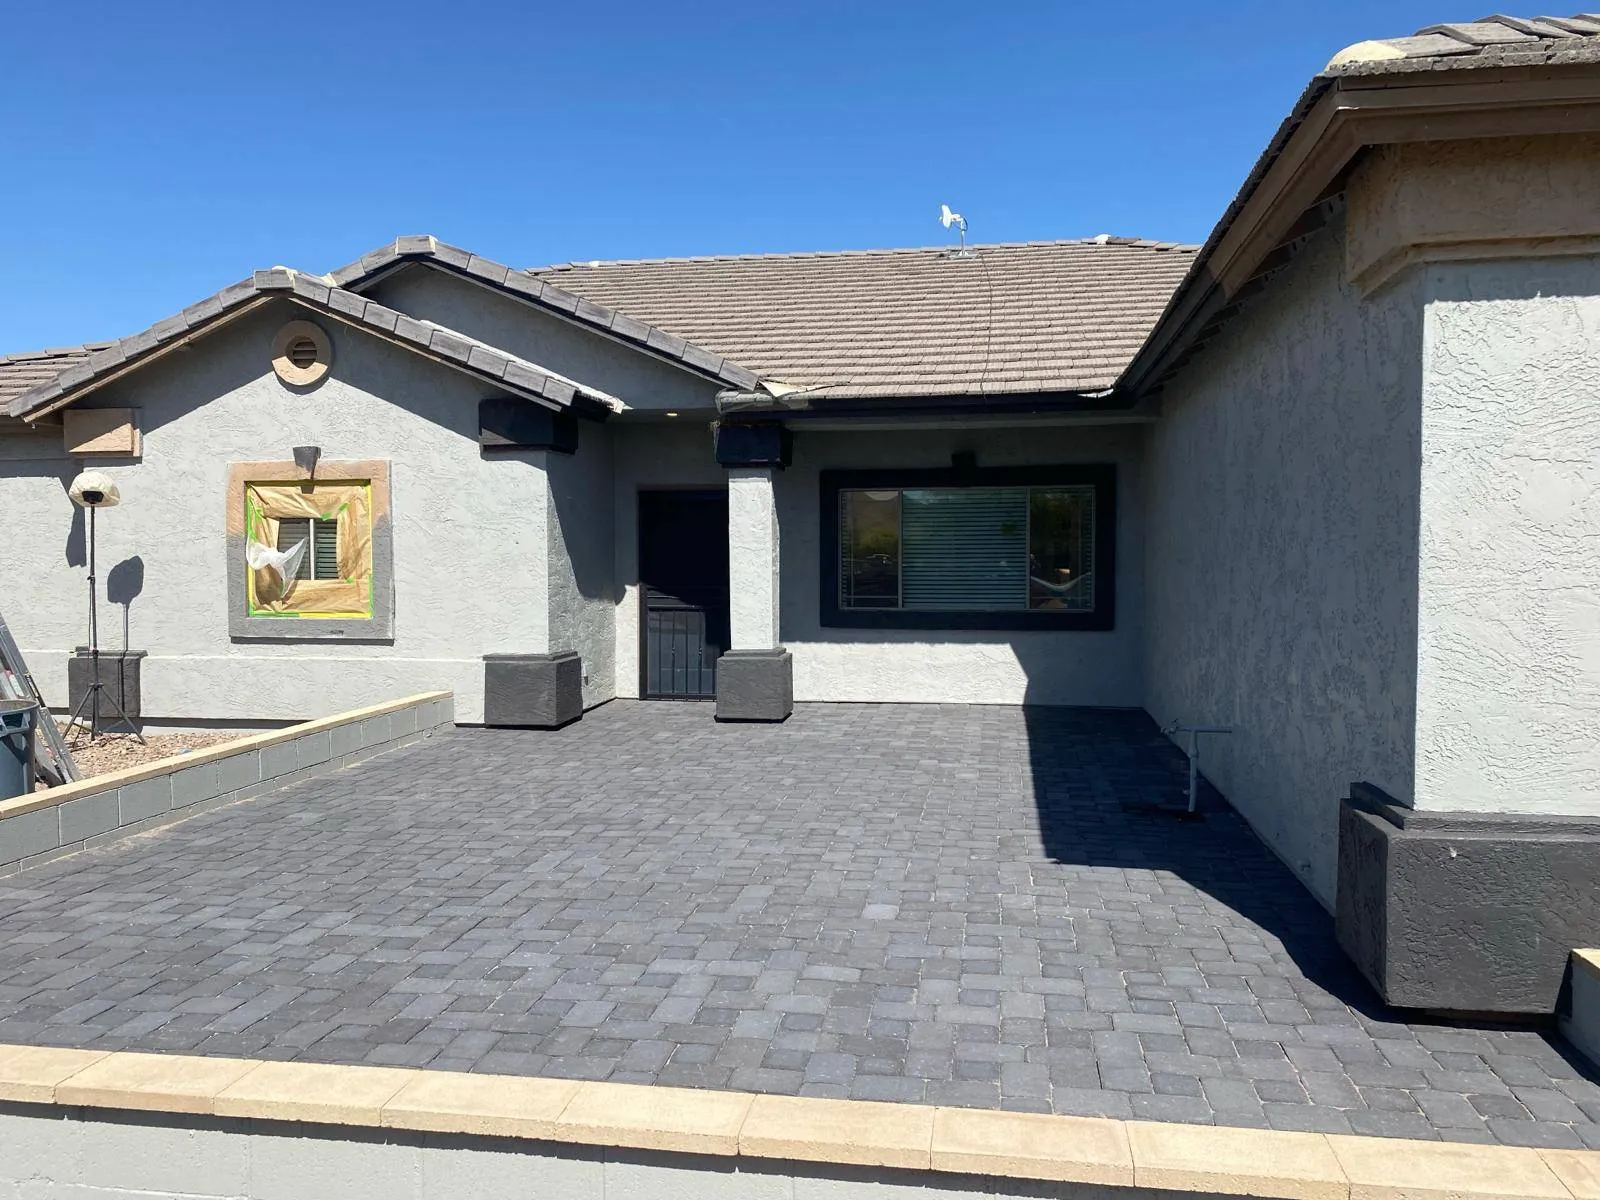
pixel 119 672
pixel 755 685
pixel 1464 912
pixel 532 691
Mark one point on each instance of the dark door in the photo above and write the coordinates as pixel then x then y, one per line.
pixel 683 576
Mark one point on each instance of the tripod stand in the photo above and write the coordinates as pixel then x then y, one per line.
pixel 91 698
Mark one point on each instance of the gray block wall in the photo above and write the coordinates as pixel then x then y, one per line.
pixel 44 834
pixel 98 1154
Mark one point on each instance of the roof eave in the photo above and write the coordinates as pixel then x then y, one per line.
pixel 617 326
pixel 315 294
pixel 1335 119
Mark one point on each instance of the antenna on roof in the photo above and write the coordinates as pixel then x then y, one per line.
pixel 947 219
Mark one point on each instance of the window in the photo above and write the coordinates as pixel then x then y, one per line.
pixel 308 548
pixel 1003 549
pixel 321 539
pixel 339 583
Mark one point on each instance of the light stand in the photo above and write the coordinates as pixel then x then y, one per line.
pixel 92 490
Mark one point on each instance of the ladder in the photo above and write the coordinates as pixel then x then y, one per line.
pixel 52 760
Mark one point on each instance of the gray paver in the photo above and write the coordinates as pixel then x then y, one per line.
pixel 961 914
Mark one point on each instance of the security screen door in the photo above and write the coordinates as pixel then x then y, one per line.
pixel 683 578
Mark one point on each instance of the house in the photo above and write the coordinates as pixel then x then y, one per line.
pixel 1331 480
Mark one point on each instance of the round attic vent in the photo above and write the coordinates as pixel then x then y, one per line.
pixel 301 353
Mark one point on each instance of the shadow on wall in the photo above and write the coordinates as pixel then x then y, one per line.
pixel 124 582
pixel 1096 772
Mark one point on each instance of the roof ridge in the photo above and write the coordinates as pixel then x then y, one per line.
pixel 1469 40
pixel 673 260
pixel 49 352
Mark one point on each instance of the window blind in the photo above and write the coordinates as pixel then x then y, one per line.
pixel 321 559
pixel 965 548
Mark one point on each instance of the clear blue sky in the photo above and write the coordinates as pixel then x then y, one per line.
pixel 151 153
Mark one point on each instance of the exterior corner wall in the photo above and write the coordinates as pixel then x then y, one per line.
pixel 1280 560
pixel 754 548
pixel 1508 702
pixel 582 559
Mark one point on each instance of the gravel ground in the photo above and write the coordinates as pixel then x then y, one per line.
pixel 118 751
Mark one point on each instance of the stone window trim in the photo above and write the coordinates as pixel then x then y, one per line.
pixel 379 626
pixel 290 347
pixel 1103 478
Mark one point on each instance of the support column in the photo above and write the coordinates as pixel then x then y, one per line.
pixel 755 677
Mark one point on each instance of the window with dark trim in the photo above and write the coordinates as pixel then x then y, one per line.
pixel 1002 548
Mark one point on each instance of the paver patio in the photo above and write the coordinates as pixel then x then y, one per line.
pixel 913 903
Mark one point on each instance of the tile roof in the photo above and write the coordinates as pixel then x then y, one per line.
pixel 625 327
pixel 464 353
pixel 1497 41
pixel 1015 317
pixel 19 372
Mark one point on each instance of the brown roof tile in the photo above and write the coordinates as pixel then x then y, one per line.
pixel 1487 42
pixel 1017 317
pixel 19 372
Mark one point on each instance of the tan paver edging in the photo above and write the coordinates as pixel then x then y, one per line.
pixel 64 820
pixel 1142 1154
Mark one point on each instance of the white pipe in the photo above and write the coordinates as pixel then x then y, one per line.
pixel 1194 732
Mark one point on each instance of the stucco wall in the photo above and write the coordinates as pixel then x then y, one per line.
pixel 1508 702
pixel 469 532
pixel 1478 199
pixel 1280 560
pixel 582 567
pixel 945 666
pixel 522 329
pixel 961 666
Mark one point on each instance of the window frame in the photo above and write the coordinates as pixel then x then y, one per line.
pixel 376 623
pixel 1102 477
pixel 311 561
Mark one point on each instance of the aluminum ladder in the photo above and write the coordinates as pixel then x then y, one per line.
pixel 52 760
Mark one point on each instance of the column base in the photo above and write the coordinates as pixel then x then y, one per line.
pixel 532 691
pixel 119 673
pixel 755 685
pixel 1464 912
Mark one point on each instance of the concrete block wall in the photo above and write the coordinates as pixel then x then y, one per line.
pixel 55 1153
pixel 59 821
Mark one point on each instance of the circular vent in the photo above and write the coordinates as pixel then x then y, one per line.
pixel 301 353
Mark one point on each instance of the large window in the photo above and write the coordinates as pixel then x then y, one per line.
pixel 981 549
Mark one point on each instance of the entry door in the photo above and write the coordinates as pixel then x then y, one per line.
pixel 683 577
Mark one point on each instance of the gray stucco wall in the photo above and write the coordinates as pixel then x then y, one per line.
pixel 468 532
pixel 928 666
pixel 582 566
pixel 961 666
pixel 1508 701
pixel 480 311
pixel 1280 561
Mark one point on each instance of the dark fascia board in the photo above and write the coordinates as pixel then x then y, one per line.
pixel 1001 404
pixel 1335 119
pixel 505 371
pixel 636 334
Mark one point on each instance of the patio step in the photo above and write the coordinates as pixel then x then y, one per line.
pixel 1580 1013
